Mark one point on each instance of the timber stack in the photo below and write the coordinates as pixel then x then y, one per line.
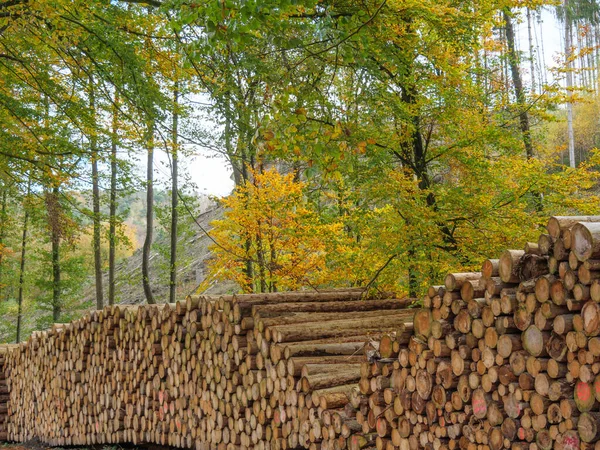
pixel 257 370
pixel 3 394
pixel 508 357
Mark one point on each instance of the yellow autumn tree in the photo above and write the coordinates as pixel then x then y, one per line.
pixel 270 238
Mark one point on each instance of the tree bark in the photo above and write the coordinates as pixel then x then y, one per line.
pixel 174 197
pixel 112 214
pixel 54 219
pixel 517 82
pixel 531 51
pixel 22 265
pixel 240 176
pixel 96 207
pixel 149 214
pixel 260 256
pixel 542 59
pixel 2 233
pixel 586 240
pixel 596 56
pixel 569 81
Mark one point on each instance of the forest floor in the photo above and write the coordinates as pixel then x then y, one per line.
pixel 37 445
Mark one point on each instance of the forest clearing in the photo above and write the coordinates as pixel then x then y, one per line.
pixel 284 224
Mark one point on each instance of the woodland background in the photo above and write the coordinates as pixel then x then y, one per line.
pixel 372 143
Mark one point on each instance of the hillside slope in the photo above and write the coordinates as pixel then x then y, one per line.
pixel 193 256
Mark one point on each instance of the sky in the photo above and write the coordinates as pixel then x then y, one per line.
pixel 212 173
pixel 547 36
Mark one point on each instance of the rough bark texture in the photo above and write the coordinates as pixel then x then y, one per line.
pixel 96 210
pixel 54 214
pixel 569 81
pixel 112 213
pixel 22 265
pixel 149 214
pixel 174 196
pixel 513 60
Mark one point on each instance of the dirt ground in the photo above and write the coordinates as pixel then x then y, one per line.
pixel 36 445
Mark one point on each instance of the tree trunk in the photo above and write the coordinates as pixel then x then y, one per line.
pixel 96 207
pixel 413 284
pixel 517 82
pixel 569 81
pixel 580 78
pixel 542 57
pixel 2 233
pixel 505 69
pixel 54 214
pixel 240 176
pixel 22 266
pixel 149 214
pixel 591 69
pixel 112 214
pixel 413 154
pixel 531 51
pixel 597 56
pixel 260 256
pixel 249 267
pixel 272 262
pixel 174 197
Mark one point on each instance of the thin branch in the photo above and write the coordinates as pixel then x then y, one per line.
pixel 381 269
pixel 154 3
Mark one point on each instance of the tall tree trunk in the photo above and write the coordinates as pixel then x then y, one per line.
pixel 96 206
pixel 272 263
pixel 54 214
pixel 112 214
pixel 513 61
pixel 22 266
pixel 543 71
pixel 581 79
pixel 597 56
pixel 531 51
pixel 2 233
pixel 174 196
pixel 149 214
pixel 505 70
pixel 569 80
pixel 413 283
pixel 260 256
pixel 240 176
pixel 249 269
pixel 591 67
pixel 486 77
pixel 414 155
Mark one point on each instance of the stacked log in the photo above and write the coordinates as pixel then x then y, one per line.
pixel 3 394
pixel 226 372
pixel 314 353
pixel 508 357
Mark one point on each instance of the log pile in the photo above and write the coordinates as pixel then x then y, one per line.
pixel 258 370
pixel 508 357
pixel 3 394
pixel 314 352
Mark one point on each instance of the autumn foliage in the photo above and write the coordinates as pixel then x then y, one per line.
pixel 271 238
